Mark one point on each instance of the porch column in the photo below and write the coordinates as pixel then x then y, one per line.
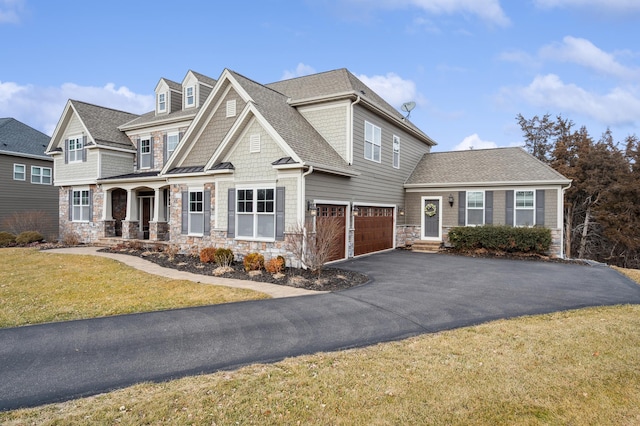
pixel 132 206
pixel 106 211
pixel 158 206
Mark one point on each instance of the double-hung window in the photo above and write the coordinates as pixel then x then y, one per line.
pixel 196 212
pixel 475 208
pixel 41 175
pixel 172 142
pixel 190 99
pixel 162 102
pixel 81 205
pixel 372 142
pixel 75 149
pixel 19 172
pixel 145 153
pixel 255 213
pixel 396 151
pixel 525 208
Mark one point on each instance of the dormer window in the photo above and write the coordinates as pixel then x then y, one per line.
pixel 162 102
pixel 189 97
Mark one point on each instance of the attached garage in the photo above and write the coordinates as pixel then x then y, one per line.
pixel 338 212
pixel 373 229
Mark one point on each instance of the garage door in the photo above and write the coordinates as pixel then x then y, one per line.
pixel 373 229
pixel 326 211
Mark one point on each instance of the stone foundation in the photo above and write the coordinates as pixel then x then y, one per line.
pixel 158 231
pixel 130 229
pixel 406 235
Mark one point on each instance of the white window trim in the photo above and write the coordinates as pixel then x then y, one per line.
pixel 256 214
pixel 189 213
pixel 150 153
pixel 177 136
pixel 373 143
pixel 77 151
pixel 166 100
pixel 516 208
pixel 40 175
pixel 396 152
pixel 467 208
pixel 73 216
pixel 24 172
pixel 193 96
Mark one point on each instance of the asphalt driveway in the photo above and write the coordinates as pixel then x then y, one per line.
pixel 409 294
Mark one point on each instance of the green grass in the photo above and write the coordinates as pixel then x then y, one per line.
pixel 38 287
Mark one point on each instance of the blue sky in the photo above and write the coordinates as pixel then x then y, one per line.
pixel 470 65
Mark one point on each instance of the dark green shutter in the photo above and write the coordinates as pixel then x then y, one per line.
pixel 508 218
pixel 462 205
pixel 488 207
pixel 185 212
pixel 207 211
pixel 540 207
pixel 280 201
pixel 231 213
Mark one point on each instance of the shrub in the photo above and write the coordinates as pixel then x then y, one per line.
pixel 171 251
pixel 70 238
pixel 223 257
pixel 253 262
pixel 32 220
pixel 7 239
pixel 28 237
pixel 501 238
pixel 275 265
pixel 208 255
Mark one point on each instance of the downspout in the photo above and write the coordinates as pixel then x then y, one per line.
pixel 562 248
pixel 304 218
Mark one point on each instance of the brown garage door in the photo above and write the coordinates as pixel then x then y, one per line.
pixel 326 211
pixel 373 229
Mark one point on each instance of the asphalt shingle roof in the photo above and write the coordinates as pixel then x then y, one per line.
pixel 102 123
pixel 482 166
pixel 16 137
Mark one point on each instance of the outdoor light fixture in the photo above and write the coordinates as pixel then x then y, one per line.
pixel 401 211
pixel 355 210
pixel 451 200
pixel 311 208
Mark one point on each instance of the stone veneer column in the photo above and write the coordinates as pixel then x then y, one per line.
pixel 130 223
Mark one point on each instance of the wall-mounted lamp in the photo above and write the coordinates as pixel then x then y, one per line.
pixel 311 208
pixel 451 200
pixel 355 210
pixel 401 211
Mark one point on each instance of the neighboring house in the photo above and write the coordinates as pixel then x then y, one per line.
pixel 235 163
pixel 26 178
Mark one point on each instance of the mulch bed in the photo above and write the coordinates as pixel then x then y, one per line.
pixel 330 279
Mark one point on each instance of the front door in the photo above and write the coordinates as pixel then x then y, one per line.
pixel 118 209
pixel 145 216
pixel 431 218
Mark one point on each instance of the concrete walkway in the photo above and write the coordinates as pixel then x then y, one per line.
pixel 149 267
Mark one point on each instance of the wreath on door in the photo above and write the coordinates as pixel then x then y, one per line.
pixel 430 209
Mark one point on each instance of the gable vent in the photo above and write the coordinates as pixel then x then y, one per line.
pixel 231 108
pixel 254 143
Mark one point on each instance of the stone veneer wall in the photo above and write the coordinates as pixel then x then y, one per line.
pixel 87 232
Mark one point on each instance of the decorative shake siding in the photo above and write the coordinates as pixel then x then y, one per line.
pixel 332 122
pixel 255 166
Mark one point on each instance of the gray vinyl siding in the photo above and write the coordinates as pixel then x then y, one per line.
pixel 175 99
pixel 80 171
pixel 203 93
pixel 24 196
pixel 115 164
pixel 332 123
pixel 378 183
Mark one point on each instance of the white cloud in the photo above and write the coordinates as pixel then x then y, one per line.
pixel 582 52
pixel 393 88
pixel 474 142
pixel 617 107
pixel 301 70
pixel 10 11
pixel 41 107
pixel 608 6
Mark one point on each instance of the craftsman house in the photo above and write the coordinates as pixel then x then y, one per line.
pixel 235 163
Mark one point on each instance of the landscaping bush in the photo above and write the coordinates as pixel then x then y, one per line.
pixel 501 238
pixel 275 265
pixel 223 256
pixel 32 220
pixel 208 255
pixel 7 239
pixel 28 237
pixel 253 262
pixel 70 238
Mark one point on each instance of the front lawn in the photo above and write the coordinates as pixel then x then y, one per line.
pixel 38 287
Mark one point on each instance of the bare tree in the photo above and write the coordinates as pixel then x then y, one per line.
pixel 314 246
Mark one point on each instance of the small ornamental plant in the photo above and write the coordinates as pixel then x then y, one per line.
pixel 7 239
pixel 28 237
pixel 275 265
pixel 253 262
pixel 208 255
pixel 223 256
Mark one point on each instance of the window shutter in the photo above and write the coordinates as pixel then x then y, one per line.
pixel 462 206
pixel 231 213
pixel 180 136
pixel 207 211
pixel 185 212
pixel 84 148
pixel 540 207
pixel 488 207
pixel 280 201
pixel 91 205
pixel 508 195
pixel 151 152
pixel 70 204
pixel 66 151
pixel 138 154
pixel 165 148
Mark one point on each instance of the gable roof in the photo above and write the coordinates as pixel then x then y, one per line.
pixel 481 167
pixel 19 139
pixel 102 123
pixel 340 83
pixel 203 78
